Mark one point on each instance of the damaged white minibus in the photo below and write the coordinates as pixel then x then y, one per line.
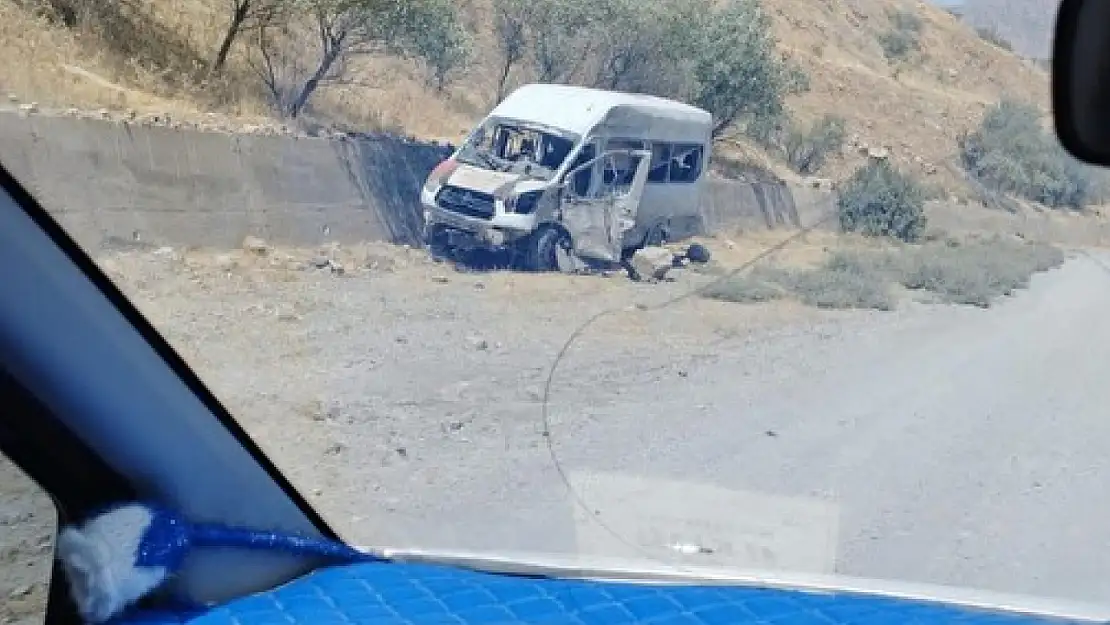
pixel 560 174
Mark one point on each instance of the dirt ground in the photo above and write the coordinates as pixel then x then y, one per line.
pixel 26 546
pixel 389 336
pixel 405 367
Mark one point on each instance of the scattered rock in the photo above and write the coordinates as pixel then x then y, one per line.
pixel 225 261
pixel 879 154
pixel 376 261
pixel 255 245
pixel 457 392
pixel 818 183
pixel 651 264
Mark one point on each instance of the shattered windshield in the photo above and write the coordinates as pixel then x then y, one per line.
pixel 862 332
pixel 507 145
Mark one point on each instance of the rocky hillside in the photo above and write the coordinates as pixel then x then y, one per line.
pixel 907 78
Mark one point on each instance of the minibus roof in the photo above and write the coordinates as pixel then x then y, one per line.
pixel 580 109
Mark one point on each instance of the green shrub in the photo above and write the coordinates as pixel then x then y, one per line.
pixel 1011 152
pixel 805 150
pixel 903 37
pixel 878 200
pixel 897 45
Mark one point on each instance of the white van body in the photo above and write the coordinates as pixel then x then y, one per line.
pixel 556 168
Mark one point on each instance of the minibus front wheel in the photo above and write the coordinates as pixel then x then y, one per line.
pixel 548 249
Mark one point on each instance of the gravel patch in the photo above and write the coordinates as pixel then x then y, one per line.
pixel 27 525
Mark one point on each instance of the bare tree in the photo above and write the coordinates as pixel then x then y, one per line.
pixel 562 37
pixel 245 15
pixel 509 29
pixel 344 29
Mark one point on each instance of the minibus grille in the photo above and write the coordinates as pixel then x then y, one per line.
pixel 466 202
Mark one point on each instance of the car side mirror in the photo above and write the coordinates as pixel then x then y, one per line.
pixel 1081 79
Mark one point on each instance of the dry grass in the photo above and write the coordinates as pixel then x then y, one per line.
pixel 147 58
pixel 916 109
pixel 976 271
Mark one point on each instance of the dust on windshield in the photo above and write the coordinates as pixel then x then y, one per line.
pixel 860 332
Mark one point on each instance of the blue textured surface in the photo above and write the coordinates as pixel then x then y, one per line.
pixel 407 594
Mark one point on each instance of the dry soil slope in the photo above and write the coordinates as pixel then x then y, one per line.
pixel 916 109
pixel 1026 24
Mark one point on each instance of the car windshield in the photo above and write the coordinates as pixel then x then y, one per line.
pixel 861 334
pixel 510 145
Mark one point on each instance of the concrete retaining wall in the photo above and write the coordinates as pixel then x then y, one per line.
pixel 111 183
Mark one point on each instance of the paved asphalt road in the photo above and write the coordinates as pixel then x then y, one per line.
pixel 937 444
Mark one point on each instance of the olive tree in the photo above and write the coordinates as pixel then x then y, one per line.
pixel 242 16
pixel 737 72
pixel 644 46
pixel 555 38
pixel 720 56
pixel 510 23
pixel 345 29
